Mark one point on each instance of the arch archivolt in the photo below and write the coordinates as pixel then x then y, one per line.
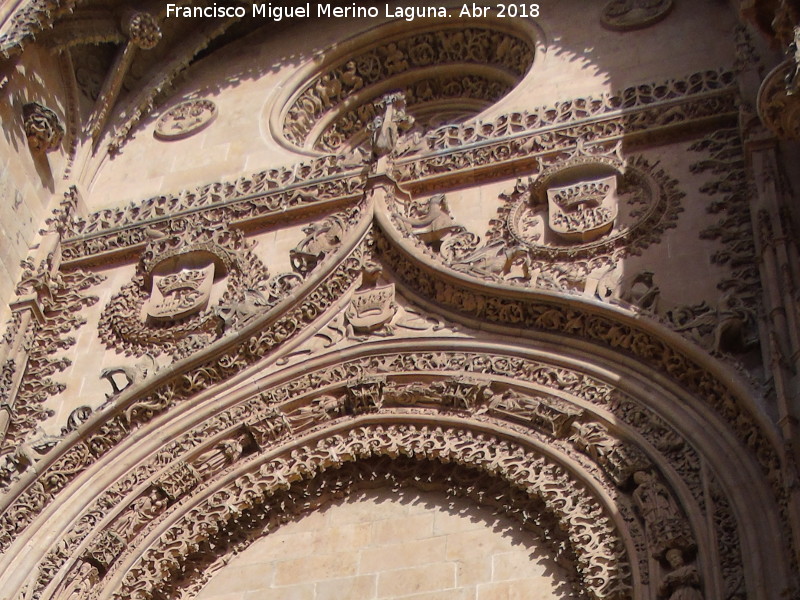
pixel 624 419
pixel 510 416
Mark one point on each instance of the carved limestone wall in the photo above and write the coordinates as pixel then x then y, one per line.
pixel 508 261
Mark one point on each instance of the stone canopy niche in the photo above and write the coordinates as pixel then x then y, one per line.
pixel 448 73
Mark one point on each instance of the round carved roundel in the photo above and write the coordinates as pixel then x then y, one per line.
pixel 185 119
pixel 447 73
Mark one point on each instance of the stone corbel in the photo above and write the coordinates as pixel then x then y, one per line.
pixel 42 128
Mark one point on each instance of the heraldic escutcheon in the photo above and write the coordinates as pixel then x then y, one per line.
pixel 183 280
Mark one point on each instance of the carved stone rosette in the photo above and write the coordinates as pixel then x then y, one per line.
pixel 185 119
pixel 142 29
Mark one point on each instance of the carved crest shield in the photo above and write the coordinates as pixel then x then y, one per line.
pixel 372 308
pixel 583 211
pixel 179 294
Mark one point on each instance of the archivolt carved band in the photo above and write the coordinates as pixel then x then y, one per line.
pixel 398 474
pixel 115 428
pixel 538 315
pixel 545 416
pixel 602 563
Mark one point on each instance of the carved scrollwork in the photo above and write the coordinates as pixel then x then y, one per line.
pixel 504 57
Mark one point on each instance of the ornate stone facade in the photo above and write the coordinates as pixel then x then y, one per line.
pixel 490 258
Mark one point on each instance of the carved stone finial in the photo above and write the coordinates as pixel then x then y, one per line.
pixel 42 127
pixel 142 29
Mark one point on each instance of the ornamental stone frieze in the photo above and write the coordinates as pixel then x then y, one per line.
pixel 445 152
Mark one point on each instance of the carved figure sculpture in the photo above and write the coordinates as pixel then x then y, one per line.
pixel 618 459
pixel 666 528
pixel 435 221
pixel 638 289
pixel 387 128
pixel 321 238
pixel 495 259
pixel 223 454
pixel 242 310
pixel 143 510
pixel 42 127
pixel 79 582
pixel 555 416
pixel 683 582
pixel 793 76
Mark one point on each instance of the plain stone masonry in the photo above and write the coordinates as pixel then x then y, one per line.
pixel 392 545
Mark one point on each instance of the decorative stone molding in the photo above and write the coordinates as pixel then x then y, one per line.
pixel 627 15
pixel 185 119
pixel 634 102
pixel 42 128
pixel 28 20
